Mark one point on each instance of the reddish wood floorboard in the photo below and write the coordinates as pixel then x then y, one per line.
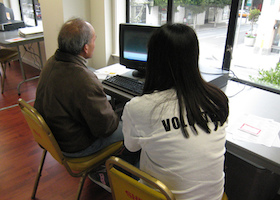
pixel 13 78
pixel 20 155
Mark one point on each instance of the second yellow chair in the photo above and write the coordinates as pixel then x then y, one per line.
pixel 125 187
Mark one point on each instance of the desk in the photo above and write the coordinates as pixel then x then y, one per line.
pixel 260 103
pixel 6 41
pixel 253 175
pixel 244 100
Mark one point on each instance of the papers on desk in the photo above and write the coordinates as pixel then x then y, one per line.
pixel 251 128
pixel 30 31
pixel 17 39
pixel 111 70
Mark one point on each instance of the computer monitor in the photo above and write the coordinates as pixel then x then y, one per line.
pixel 133 42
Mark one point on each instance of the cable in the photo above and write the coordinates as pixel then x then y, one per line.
pixel 232 78
pixel 33 55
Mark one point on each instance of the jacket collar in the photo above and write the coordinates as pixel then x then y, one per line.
pixel 67 57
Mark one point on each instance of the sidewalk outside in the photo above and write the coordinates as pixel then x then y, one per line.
pixel 246 60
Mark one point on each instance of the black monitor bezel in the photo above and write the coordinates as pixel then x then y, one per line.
pixel 133 64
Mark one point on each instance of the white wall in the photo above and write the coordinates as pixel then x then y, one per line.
pixel 55 13
pixel 74 8
pixel 53 18
pixel 100 13
pixel 101 19
pixel 97 12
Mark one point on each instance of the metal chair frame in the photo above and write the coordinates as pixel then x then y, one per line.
pixel 152 189
pixel 132 189
pixel 6 55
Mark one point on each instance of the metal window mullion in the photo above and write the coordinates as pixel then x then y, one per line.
pixel 169 11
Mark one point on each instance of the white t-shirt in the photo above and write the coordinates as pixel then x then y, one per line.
pixel 192 168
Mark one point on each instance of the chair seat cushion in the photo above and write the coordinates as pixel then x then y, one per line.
pixel 7 54
pixel 80 164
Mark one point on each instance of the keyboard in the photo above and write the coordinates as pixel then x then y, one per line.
pixel 126 84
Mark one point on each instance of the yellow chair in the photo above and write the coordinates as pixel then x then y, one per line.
pixel 126 188
pixel 224 197
pixel 6 55
pixel 77 167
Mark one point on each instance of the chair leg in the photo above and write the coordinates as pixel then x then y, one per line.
pixel 3 65
pixel 39 174
pixel 2 78
pixel 81 184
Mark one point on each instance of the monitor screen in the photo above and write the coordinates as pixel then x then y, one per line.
pixel 134 39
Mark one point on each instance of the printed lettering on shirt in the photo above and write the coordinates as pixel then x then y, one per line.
pixel 175 122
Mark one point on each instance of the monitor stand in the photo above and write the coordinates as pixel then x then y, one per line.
pixel 138 74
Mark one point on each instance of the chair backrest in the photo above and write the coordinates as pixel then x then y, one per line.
pixel 40 130
pixel 125 187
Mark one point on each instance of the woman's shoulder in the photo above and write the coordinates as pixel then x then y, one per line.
pixel 154 98
pixel 147 102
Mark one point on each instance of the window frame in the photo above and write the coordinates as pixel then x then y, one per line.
pixel 229 44
pixel 33 9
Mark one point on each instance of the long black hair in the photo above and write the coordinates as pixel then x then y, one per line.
pixel 173 53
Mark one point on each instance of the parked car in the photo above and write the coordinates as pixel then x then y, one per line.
pixel 245 13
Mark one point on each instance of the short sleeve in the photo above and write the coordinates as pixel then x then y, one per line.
pixel 131 138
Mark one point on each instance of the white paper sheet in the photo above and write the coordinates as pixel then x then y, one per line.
pixel 251 128
pixel 111 70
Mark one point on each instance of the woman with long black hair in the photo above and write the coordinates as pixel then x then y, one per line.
pixel 179 122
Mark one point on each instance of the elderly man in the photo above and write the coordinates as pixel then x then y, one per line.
pixel 71 98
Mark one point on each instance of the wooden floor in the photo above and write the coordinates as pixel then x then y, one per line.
pixel 20 155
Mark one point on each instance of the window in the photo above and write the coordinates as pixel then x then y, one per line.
pixel 31 12
pixel 224 28
pixel 147 12
pixel 256 49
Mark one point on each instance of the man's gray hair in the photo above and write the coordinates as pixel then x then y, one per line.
pixel 73 36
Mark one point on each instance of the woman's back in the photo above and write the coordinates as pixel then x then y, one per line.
pixel 179 122
pixel 191 167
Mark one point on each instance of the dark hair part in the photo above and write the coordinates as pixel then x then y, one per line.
pixel 173 53
pixel 73 36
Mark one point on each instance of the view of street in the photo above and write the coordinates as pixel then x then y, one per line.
pixel 255 53
pixel 246 60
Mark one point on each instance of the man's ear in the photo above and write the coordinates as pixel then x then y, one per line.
pixel 86 48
